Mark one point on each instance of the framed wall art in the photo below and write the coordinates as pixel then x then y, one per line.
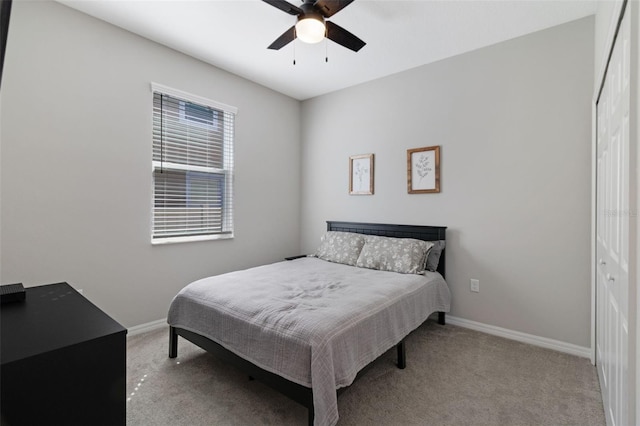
pixel 361 174
pixel 423 170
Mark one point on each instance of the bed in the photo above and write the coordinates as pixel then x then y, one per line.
pixel 324 321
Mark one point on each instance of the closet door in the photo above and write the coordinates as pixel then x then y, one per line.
pixel 612 232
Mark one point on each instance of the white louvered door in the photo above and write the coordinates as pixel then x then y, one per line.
pixel 612 232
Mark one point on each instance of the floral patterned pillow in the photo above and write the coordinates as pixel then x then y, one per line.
pixel 404 255
pixel 340 247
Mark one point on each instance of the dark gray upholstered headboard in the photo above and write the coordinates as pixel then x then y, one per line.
pixel 419 232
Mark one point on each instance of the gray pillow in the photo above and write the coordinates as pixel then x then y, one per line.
pixel 404 255
pixel 340 247
pixel 434 255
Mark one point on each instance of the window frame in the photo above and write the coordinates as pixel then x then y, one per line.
pixel 225 171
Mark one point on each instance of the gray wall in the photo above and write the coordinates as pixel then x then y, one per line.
pixel 514 124
pixel 513 121
pixel 76 164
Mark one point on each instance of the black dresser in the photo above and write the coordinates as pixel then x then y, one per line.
pixel 63 361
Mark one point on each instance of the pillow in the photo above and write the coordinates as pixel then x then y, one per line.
pixel 434 255
pixel 340 247
pixel 404 255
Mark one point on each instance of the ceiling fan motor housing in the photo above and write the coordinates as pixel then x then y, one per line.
pixel 310 12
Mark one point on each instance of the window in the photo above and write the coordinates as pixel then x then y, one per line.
pixel 192 167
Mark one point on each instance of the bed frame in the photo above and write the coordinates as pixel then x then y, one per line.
pixel 299 393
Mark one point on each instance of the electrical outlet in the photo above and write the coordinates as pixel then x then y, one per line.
pixel 475 285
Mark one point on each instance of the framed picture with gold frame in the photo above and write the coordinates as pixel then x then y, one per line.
pixel 361 174
pixel 423 170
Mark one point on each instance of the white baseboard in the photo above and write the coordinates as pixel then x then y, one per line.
pixel 150 326
pixel 544 342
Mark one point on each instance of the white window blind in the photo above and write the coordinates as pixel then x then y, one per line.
pixel 192 167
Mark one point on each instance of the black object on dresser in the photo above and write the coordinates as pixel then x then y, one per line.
pixel 12 293
pixel 63 361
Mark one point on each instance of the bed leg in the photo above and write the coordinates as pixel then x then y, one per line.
pixel 173 342
pixel 311 415
pixel 441 318
pixel 402 355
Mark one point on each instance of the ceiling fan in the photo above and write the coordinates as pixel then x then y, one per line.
pixel 312 26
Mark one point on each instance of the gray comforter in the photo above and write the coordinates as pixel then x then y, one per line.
pixel 313 322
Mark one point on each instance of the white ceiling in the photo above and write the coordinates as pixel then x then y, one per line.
pixel 234 35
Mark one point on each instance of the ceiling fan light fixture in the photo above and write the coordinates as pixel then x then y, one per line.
pixel 311 24
pixel 310 30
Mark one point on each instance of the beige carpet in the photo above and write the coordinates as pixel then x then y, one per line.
pixel 454 376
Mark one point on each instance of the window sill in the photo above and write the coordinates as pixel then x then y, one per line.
pixel 176 240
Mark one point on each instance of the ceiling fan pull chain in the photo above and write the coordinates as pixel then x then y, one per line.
pixel 326 48
pixel 294 46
